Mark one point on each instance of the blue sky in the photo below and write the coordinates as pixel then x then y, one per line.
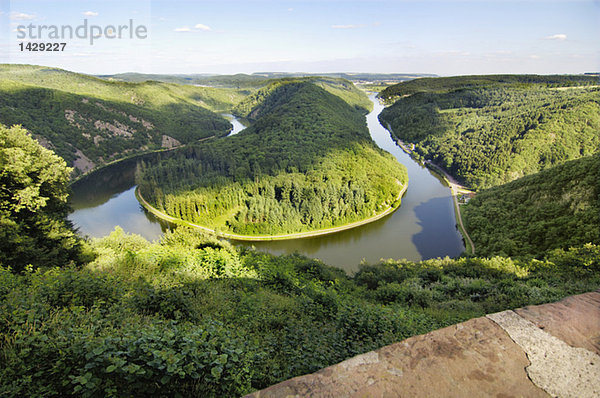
pixel 442 37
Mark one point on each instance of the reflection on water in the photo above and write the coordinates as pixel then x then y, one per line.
pixel 423 227
pixel 237 125
pixel 433 212
pixel 121 209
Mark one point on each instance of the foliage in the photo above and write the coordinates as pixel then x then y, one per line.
pixel 307 162
pixel 120 328
pixel 183 256
pixel 82 117
pixel 33 204
pixel 490 135
pixel 448 84
pixel 470 287
pixel 193 316
pixel 262 101
pixel 240 80
pixel 556 208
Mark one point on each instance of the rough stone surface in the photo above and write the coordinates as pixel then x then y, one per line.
pixel 575 320
pixel 550 349
pixel 472 359
pixel 556 367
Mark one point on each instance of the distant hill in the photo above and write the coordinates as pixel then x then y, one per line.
pixel 373 77
pixel 257 79
pixel 261 101
pixel 557 208
pixel 430 84
pixel 306 162
pixel 90 121
pixel 489 130
pixel 240 80
pixel 258 85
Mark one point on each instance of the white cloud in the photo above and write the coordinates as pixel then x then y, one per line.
pixel 197 28
pixel 21 16
pixel 348 26
pixel 203 27
pixel 559 36
pixel 90 14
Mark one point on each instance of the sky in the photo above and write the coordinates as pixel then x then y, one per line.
pixel 440 37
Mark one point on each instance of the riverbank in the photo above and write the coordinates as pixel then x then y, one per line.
pixel 455 188
pixel 259 238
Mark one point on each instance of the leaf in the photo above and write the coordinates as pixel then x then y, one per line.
pixel 222 359
pixel 111 368
pixel 216 372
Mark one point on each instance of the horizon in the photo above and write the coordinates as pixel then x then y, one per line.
pixel 445 38
pixel 419 75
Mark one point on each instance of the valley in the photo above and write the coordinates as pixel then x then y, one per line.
pixel 196 315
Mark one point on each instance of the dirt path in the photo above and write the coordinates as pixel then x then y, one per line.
pixel 253 238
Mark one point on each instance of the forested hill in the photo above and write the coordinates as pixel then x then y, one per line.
pixel 258 86
pixel 262 101
pixel 306 163
pixel 554 209
pixel 488 131
pixel 446 84
pixel 90 121
pixel 194 316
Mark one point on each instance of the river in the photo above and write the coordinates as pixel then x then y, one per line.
pixel 423 227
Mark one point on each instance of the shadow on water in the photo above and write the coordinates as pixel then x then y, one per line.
pixel 315 245
pixel 102 185
pixel 433 241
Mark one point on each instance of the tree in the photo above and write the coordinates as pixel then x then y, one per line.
pixel 33 204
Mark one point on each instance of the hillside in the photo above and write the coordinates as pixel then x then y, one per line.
pixel 258 79
pixel 307 162
pixel 89 121
pixel 557 208
pixel 194 316
pixel 448 84
pixel 259 85
pixel 261 101
pixel 239 81
pixel 493 131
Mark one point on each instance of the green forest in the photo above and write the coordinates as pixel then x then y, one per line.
pixel 307 162
pixel 90 121
pixel 193 316
pixel 490 130
pixel 555 209
pixel 448 84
